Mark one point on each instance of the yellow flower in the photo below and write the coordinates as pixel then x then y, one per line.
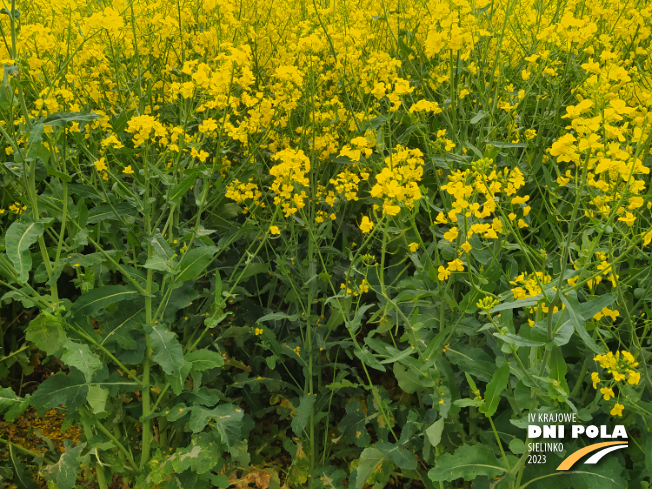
pixel 366 225
pixel 258 331
pixel 633 377
pixel 443 274
pixel 456 265
pixel 413 247
pixel 128 170
pixel 451 234
pixel 467 246
pixel 100 165
pixel 607 393
pixel 596 379
pixel 274 230
pixel 617 410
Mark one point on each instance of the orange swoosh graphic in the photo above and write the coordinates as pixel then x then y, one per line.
pixel 575 456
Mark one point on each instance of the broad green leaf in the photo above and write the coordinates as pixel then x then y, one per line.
pixel 155 262
pixel 468 462
pixel 201 455
pixel 474 361
pixel 177 412
pixel 161 246
pixel 276 316
pixel 228 422
pixel 114 212
pixel 80 356
pixel 574 308
pixel 64 473
pixel 194 263
pixel 468 402
pixel 69 390
pixel 513 339
pixel 404 459
pixel 60 118
pixel 96 398
pixel 120 326
pixel 204 360
pixel 44 331
pixel 529 302
pixel 18 239
pixel 368 359
pixel 253 269
pixel 11 404
pixel 558 370
pixel 305 409
pixel 167 351
pixel 494 389
pixel 180 190
pixel 92 302
pixel 353 425
pixel 371 461
pixel 435 431
pixel 354 324
pixel 592 307
pixel 411 382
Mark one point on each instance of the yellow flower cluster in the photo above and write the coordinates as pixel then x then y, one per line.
pixel 621 368
pixel 397 183
pixel 290 177
pixel 242 192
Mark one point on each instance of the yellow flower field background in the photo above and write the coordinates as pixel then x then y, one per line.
pixel 323 244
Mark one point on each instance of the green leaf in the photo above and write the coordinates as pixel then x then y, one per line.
pixel 155 262
pixel 468 462
pixel 80 356
pixel 371 460
pixel 64 473
pixel 468 402
pixel 478 117
pixel 18 239
pixel 114 212
pixel 96 398
pixel 228 422
pixel 161 246
pixel 204 360
pixel 404 459
pixel 167 351
pixel 517 340
pixel 494 389
pixel 353 425
pixel 474 361
pixel 254 269
pixel 194 263
pixel 411 382
pixel 201 455
pixel 558 370
pixel 368 359
pixel 12 404
pixel 517 446
pixel 43 331
pixel 305 409
pixel 276 316
pixel 60 118
pixel 180 190
pixel 354 324
pixel 591 308
pixel 121 325
pixel 574 308
pixel 435 431
pixel 92 302
pixel 69 390
pixel 530 301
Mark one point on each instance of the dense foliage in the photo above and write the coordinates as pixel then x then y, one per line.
pixel 324 244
